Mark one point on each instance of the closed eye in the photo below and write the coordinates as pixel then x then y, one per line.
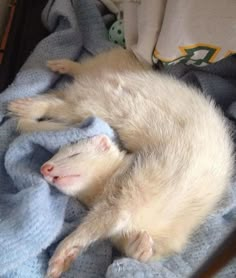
pixel 75 154
pixel 73 143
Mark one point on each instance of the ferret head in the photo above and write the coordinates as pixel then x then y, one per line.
pixel 77 166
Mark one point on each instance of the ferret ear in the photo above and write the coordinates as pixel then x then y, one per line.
pixel 103 142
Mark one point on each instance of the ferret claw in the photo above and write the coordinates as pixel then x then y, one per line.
pixel 141 247
pixel 61 261
pixel 61 66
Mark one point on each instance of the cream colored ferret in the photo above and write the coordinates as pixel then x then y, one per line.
pixel 149 202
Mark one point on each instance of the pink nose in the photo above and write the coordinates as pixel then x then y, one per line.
pixel 46 169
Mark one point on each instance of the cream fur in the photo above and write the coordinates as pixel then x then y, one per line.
pixel 182 151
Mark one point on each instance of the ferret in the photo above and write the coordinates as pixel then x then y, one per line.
pixel 181 163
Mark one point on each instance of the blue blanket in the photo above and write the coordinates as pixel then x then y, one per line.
pixel 31 212
pixel 35 216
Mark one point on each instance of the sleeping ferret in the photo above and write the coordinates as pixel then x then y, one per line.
pixel 149 202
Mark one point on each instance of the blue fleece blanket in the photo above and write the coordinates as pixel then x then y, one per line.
pixel 35 216
pixel 31 212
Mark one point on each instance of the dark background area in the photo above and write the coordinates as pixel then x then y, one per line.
pixel 26 31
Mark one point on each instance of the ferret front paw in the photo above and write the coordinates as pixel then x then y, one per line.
pixel 61 260
pixel 62 66
pixel 140 247
pixel 26 108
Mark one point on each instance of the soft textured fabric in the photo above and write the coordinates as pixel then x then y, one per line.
pixel 216 80
pixel 186 31
pixel 108 17
pixel 142 26
pixel 31 212
pixel 113 5
pixel 196 32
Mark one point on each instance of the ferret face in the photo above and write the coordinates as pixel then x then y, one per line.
pixel 78 165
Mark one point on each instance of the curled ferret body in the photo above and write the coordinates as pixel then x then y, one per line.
pixel 182 151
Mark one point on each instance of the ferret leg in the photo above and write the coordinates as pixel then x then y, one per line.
pixel 34 108
pixel 64 66
pixel 28 125
pixel 49 107
pixel 137 245
pixel 101 222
